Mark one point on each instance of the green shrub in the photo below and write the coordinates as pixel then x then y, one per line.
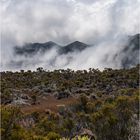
pixel 53 136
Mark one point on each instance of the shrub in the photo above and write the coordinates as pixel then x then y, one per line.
pixel 53 136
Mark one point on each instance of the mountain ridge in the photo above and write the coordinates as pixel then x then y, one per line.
pixel 33 48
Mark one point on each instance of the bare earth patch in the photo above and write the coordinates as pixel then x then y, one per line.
pixel 48 102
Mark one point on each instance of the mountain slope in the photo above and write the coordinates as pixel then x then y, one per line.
pixel 72 47
pixel 130 53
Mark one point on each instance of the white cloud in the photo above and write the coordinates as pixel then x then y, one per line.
pixel 64 21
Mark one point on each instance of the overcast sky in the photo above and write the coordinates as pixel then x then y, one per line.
pixel 64 21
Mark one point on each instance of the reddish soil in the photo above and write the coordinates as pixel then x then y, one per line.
pixel 48 102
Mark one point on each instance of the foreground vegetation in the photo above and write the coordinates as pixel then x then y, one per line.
pixel 105 107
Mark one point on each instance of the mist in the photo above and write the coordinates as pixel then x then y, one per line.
pixel 105 25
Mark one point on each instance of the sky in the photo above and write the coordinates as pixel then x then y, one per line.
pixel 65 21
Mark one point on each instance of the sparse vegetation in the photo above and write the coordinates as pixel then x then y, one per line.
pixel 67 104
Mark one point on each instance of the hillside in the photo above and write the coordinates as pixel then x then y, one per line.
pixel 64 103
